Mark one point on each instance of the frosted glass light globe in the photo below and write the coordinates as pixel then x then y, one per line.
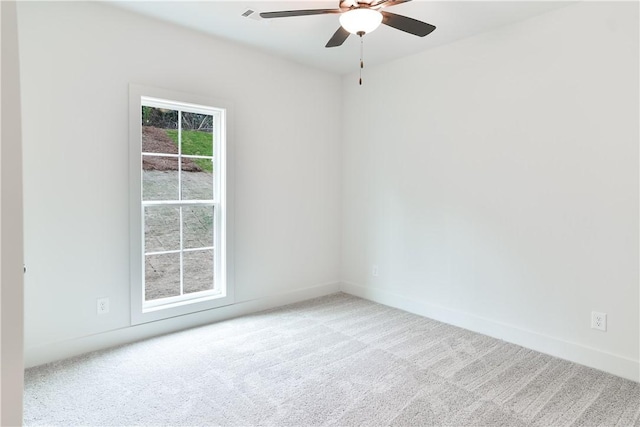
pixel 360 20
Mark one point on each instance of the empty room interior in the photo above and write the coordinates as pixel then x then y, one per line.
pixel 302 213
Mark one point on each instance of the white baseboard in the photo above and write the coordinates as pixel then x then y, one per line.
pixel 574 352
pixel 40 355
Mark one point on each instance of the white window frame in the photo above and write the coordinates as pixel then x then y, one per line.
pixel 141 311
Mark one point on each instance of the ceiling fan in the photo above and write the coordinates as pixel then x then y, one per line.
pixel 361 17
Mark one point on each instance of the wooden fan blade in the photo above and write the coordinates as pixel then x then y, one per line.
pixel 338 38
pixel 408 25
pixel 287 13
pixel 388 3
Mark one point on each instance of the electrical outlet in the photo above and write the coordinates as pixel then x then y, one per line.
pixel 103 305
pixel 599 321
pixel 374 270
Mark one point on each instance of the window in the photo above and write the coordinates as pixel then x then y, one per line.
pixel 180 209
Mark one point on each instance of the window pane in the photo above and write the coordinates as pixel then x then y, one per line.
pixel 159 130
pixel 197 134
pixel 161 276
pixel 197 140
pixel 159 178
pixel 198 271
pixel 197 185
pixel 197 227
pixel 161 228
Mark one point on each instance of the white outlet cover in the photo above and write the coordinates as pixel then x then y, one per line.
pixel 599 321
pixel 102 305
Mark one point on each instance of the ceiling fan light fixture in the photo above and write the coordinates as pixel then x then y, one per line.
pixel 360 20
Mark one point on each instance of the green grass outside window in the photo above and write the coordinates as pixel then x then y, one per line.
pixel 195 143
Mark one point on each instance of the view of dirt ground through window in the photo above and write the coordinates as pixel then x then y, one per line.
pixel 162 223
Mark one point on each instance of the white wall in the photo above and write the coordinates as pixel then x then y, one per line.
pixel 495 183
pixel 11 273
pixel 78 59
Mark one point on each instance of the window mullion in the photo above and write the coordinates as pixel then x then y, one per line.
pixel 181 254
pixel 163 252
pixel 180 198
pixel 173 156
pixel 179 203
pixel 179 155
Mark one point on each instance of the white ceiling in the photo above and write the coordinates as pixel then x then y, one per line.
pixel 302 39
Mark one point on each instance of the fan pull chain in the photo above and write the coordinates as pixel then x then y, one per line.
pixel 361 55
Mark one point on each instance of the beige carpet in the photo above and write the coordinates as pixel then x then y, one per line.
pixel 336 360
